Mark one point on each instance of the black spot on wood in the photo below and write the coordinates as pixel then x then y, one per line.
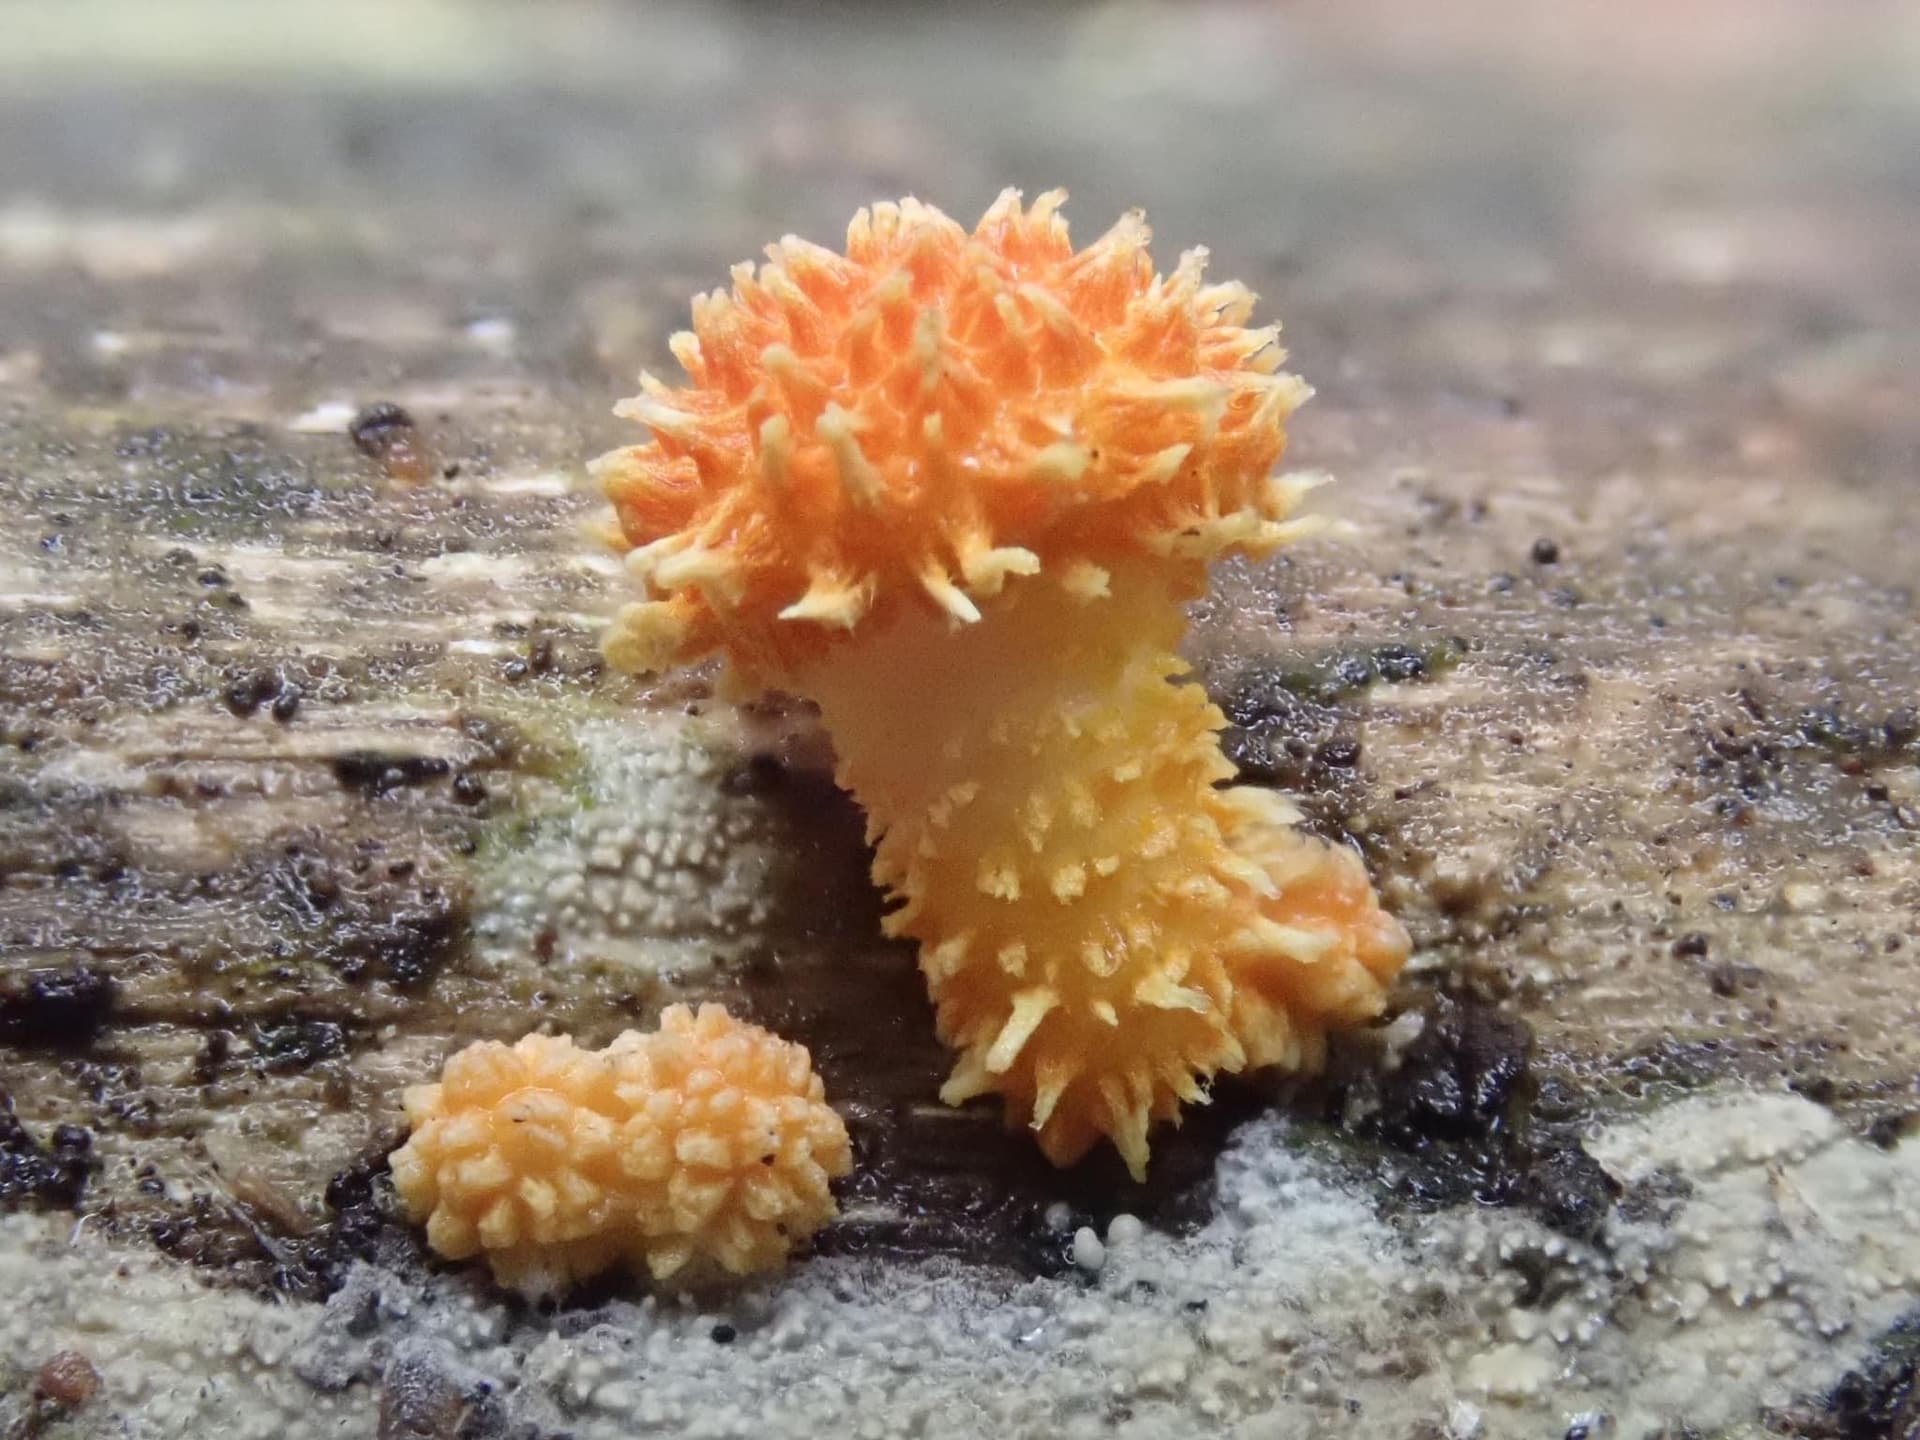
pixel 385 433
pixel 1469 1122
pixel 56 1009
pixel 375 772
pixel 297 1044
pixel 50 1174
pixel 247 693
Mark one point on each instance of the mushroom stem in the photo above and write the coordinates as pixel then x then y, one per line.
pixel 1102 927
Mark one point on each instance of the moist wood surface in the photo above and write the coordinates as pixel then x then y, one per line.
pixel 1614 334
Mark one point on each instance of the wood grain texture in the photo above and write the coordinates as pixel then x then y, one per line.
pixel 1615 686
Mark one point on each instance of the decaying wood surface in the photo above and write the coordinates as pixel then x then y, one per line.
pixel 1615 342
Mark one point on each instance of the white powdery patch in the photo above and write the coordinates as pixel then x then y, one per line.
pixel 1297 1309
pixel 658 865
pixel 1797 1244
pixel 175 1359
pixel 1782 1247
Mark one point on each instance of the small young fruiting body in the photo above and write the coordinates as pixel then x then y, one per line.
pixel 707 1143
pixel 958 488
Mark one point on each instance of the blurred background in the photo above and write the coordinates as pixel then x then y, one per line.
pixel 547 183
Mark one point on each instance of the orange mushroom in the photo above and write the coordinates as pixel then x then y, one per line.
pixel 957 488
pixel 708 1143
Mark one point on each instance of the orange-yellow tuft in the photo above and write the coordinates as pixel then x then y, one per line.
pixel 911 424
pixel 957 488
pixel 706 1143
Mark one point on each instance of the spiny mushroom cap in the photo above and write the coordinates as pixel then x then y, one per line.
pixel 912 422
pixel 707 1141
